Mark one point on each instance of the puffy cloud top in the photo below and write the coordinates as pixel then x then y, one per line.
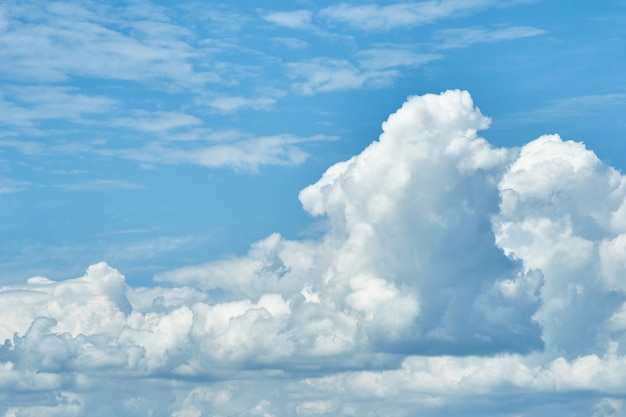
pixel 449 269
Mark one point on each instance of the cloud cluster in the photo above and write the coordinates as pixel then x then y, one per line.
pixel 57 41
pixel 71 67
pixel 452 275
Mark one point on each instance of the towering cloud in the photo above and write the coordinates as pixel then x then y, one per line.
pixel 561 214
pixel 452 275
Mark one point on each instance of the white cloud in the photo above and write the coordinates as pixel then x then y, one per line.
pixel 291 43
pixel 158 121
pixel 175 138
pixel 26 105
pixel 576 106
pixel 609 407
pixel 9 185
pixel 235 103
pixel 327 74
pixel 380 18
pixel 299 19
pixel 248 153
pixel 101 185
pixel 461 38
pixel 389 57
pixel 68 404
pixel 374 68
pixel 58 41
pixel 367 263
pixel 558 201
pixel 452 275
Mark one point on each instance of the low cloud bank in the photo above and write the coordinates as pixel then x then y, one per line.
pixel 453 275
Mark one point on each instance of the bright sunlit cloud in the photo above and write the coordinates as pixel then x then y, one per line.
pixel 201 213
pixel 449 268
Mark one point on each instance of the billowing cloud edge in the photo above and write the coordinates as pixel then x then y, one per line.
pixel 449 268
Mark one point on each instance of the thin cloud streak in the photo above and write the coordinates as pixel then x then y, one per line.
pixel 568 107
pixel 299 19
pixel 325 74
pixel 383 18
pixel 248 153
pixel 462 38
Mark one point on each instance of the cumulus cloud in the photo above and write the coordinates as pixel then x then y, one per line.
pixel 452 276
pixel 559 203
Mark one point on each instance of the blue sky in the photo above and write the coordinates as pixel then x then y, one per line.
pixel 320 208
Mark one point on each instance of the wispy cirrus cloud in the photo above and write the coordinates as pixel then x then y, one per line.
pixel 174 138
pixel 158 121
pixel 26 105
pixel 575 106
pixel 101 185
pixel 464 37
pixel 377 18
pixel 393 56
pixel 10 185
pixel 377 65
pixel 290 43
pixel 328 74
pixel 57 41
pixel 374 68
pixel 240 152
pixel 299 19
pixel 234 103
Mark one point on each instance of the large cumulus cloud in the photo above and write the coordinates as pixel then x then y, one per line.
pixel 452 275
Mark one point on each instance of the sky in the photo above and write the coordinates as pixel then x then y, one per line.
pixel 313 208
